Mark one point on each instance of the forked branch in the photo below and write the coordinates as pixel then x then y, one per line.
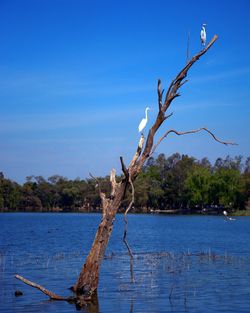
pixel 178 81
pixel 124 169
pixel 138 152
pixel 101 194
pixel 190 132
pixel 171 94
pixel 98 184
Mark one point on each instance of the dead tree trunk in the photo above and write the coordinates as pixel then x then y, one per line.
pixel 87 282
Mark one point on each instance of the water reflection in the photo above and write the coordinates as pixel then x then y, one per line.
pixel 131 306
pixel 91 307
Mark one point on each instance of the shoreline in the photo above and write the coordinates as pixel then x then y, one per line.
pixel 156 212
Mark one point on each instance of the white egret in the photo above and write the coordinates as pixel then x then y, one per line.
pixel 203 34
pixel 144 121
pixel 228 217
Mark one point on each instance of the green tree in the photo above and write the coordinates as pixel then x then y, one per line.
pixel 246 183
pixel 227 188
pixel 154 183
pixel 10 195
pixel 198 184
pixel 1 191
pixel 142 188
pixel 247 166
pixel 29 200
pixel 174 182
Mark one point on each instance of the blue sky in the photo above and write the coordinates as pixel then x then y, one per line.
pixel 76 76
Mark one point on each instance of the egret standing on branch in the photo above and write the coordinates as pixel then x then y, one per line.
pixel 203 35
pixel 144 121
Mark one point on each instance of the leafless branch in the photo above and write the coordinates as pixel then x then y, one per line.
pixel 171 94
pixel 160 93
pixel 52 295
pixel 168 116
pixel 124 169
pixel 101 194
pixel 184 82
pixel 97 182
pixel 126 229
pixel 190 132
pixel 132 197
pixel 177 82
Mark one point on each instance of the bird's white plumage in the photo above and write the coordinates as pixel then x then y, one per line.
pixel 203 35
pixel 144 121
pixel 228 217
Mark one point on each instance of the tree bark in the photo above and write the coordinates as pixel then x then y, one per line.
pixel 88 279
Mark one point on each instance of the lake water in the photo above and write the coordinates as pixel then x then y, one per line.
pixel 181 263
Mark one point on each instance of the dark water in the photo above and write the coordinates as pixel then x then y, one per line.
pixel 182 263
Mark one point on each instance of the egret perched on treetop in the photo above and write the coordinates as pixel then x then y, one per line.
pixel 203 34
pixel 144 121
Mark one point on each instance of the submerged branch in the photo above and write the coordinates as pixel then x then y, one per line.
pixel 126 229
pixel 47 292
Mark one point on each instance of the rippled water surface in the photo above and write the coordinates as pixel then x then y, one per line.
pixel 181 263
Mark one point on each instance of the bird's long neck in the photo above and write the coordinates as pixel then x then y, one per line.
pixel 146 113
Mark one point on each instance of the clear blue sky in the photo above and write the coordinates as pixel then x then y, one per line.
pixel 76 76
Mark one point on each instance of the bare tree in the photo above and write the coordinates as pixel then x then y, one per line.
pixel 87 282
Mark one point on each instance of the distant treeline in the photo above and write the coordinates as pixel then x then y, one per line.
pixel 179 183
